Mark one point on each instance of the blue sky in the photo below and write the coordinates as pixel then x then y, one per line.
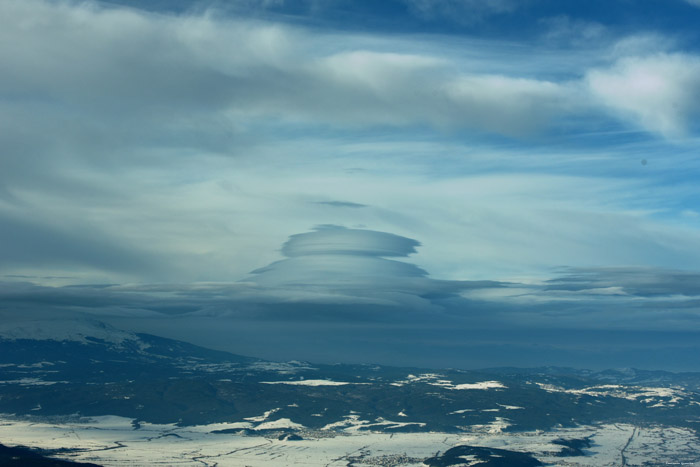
pixel 514 167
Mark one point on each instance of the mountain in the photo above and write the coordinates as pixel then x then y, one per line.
pixel 89 369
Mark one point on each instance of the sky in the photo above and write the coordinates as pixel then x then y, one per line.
pixel 419 182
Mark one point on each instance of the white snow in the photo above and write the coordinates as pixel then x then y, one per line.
pixel 287 368
pixel 435 379
pixel 37 365
pixel 31 382
pixel 456 412
pixel 388 423
pixel 263 417
pixel 219 427
pixel 511 407
pixel 481 385
pixel 311 382
pixel 469 460
pixel 496 426
pixel 648 395
pixel 350 421
pixel 112 441
pixel 353 424
pixel 70 330
pixel 278 424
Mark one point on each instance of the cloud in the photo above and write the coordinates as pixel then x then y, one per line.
pixel 643 44
pixel 642 299
pixel 342 204
pixel 460 11
pixel 202 141
pixel 639 281
pixel 186 147
pixel 336 240
pixel 344 275
pixel 333 264
pixel 563 29
pixel 268 319
pixel 660 93
pixel 54 246
pixel 522 105
pixel 235 68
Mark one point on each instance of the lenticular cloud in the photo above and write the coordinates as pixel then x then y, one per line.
pixel 335 240
pixel 336 264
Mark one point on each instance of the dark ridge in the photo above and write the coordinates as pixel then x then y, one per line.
pixel 573 447
pixel 487 457
pixel 26 457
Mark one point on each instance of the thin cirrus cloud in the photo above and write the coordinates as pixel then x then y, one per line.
pixel 342 204
pixel 462 11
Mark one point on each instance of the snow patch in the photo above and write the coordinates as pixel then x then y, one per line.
pixel 436 379
pixel 93 440
pixel 282 368
pixel 32 382
pixel 263 417
pixel 279 424
pixel 81 331
pixel 311 382
pixel 511 407
pixel 646 395
pixel 481 385
pixel 496 426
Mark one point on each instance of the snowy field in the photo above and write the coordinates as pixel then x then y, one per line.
pixel 114 441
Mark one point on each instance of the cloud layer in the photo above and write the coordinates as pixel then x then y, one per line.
pixel 544 153
pixel 334 264
pixel 661 92
pixel 167 133
pixel 634 317
pixel 95 62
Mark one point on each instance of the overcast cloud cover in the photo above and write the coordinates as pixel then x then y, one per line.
pixel 468 183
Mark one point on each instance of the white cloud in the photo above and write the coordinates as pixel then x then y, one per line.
pixel 135 65
pixel 334 240
pixel 209 140
pixel 660 93
pixel 642 45
pixel 461 11
pixel 563 28
pixel 494 102
pixel 333 264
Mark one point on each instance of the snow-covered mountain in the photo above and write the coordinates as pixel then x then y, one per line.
pixel 82 331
